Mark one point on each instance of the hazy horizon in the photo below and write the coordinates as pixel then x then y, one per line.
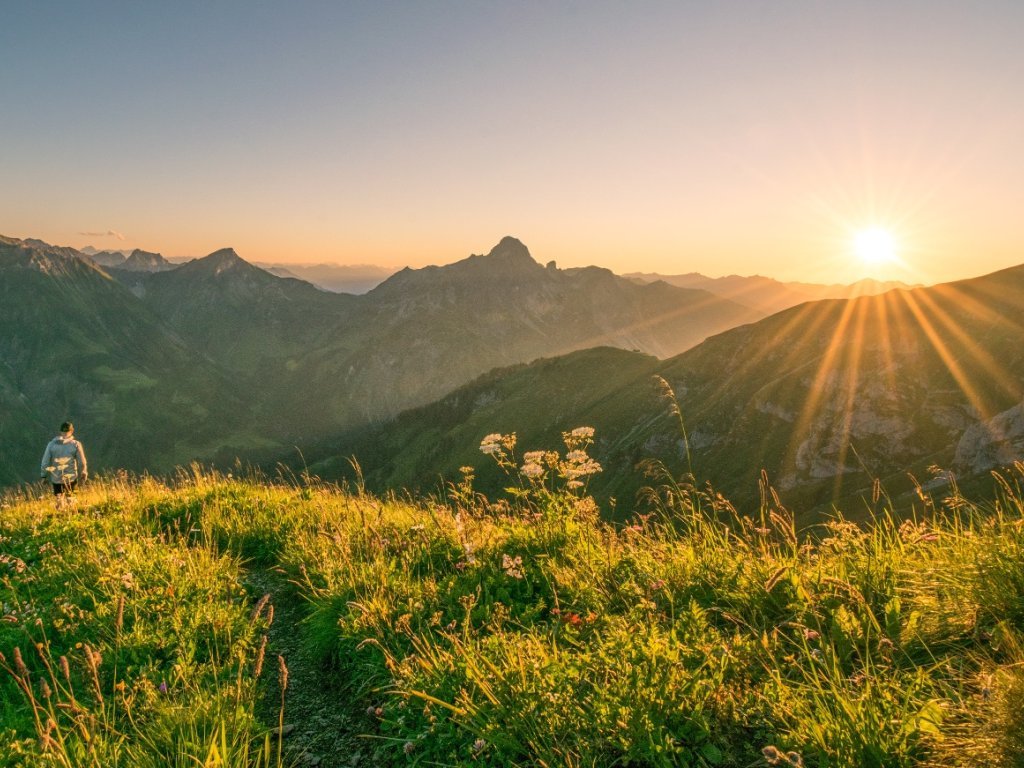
pixel 390 269
pixel 723 138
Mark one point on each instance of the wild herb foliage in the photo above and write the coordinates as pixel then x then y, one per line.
pixel 522 630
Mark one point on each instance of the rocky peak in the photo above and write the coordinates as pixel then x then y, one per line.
pixel 509 260
pixel 107 258
pixel 144 261
pixel 222 261
pixel 224 256
pixel 43 257
pixel 510 249
pixel 507 263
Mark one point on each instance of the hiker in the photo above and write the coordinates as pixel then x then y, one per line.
pixel 64 464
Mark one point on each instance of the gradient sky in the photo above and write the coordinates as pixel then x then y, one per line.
pixel 720 137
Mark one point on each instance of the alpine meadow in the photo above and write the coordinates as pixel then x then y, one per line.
pixel 521 385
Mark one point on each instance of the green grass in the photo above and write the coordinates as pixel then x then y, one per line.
pixel 122 644
pixel 517 631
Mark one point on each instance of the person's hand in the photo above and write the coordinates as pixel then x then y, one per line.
pixel 85 476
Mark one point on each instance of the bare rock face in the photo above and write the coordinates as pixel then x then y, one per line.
pixel 105 258
pixel 144 261
pixel 869 416
pixel 996 442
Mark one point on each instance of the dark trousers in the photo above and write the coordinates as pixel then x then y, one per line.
pixel 59 488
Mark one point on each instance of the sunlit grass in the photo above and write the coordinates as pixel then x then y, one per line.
pixel 517 631
pixel 122 644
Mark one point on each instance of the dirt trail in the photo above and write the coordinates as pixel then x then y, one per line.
pixel 322 724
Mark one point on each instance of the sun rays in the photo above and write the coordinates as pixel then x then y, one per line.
pixel 843 386
pixel 856 381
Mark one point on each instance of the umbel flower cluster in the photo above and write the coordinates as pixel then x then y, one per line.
pixel 544 468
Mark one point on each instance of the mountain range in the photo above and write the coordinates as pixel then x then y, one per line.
pixel 275 362
pixel 217 358
pixel 75 343
pixel 763 294
pixel 826 397
pixel 766 294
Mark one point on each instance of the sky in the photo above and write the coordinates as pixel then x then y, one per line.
pixel 719 137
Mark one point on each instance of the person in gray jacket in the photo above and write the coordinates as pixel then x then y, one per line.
pixel 64 463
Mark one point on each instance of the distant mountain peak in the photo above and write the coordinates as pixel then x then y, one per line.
pixel 107 258
pixel 222 260
pixel 508 257
pixel 43 257
pixel 224 255
pixel 92 251
pixel 509 260
pixel 144 261
pixel 510 249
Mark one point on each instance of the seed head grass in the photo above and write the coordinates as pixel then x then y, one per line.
pixel 521 630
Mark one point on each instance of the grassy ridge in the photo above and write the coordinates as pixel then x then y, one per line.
pixel 520 631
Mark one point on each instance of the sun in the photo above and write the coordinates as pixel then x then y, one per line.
pixel 874 246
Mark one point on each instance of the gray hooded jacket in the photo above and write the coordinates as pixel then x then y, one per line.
pixel 63 460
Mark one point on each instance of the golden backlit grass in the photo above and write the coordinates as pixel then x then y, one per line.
pixel 521 631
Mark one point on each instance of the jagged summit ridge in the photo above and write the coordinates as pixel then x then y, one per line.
pixel 510 259
pixel 218 262
pixel 42 257
pixel 512 249
pixel 145 261
pixel 509 254
pixel 224 256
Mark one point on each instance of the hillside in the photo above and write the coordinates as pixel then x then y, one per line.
pixel 217 358
pixel 263 362
pixel 76 343
pixel 766 294
pixel 236 314
pixel 162 625
pixel 413 338
pixel 421 447
pixel 830 395
pixel 424 332
pixel 826 397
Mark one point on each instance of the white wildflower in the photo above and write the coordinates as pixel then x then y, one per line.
pixel 532 470
pixel 512 566
pixel 496 443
